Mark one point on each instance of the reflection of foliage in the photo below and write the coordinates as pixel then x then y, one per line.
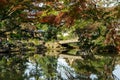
pixel 12 67
pixel 47 65
pixel 102 66
pixel 66 72
pixel 12 15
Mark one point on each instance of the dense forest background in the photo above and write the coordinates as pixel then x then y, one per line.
pixel 95 22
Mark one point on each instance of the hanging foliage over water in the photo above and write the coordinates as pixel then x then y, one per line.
pixel 66 13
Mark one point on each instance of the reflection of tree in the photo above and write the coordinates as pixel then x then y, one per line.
pixel 102 67
pixel 33 72
pixel 65 72
pixel 12 67
pixel 45 67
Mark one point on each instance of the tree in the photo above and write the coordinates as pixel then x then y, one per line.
pixel 61 13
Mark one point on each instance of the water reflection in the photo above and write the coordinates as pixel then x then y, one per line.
pixel 93 77
pixel 116 72
pixel 12 67
pixel 32 71
pixel 65 70
pixel 41 68
pixel 67 66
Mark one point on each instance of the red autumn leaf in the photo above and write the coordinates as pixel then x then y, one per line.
pixel 58 18
pixel 48 19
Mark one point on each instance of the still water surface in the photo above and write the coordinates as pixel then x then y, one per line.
pixel 53 65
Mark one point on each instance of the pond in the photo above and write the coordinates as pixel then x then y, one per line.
pixel 56 65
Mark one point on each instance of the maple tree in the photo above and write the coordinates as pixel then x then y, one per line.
pixel 63 12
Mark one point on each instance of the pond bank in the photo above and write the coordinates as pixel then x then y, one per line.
pixel 21 45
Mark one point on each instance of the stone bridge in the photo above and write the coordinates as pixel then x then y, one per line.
pixel 57 44
pixel 68 41
pixel 70 58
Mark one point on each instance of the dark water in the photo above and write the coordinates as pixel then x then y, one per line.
pixel 55 65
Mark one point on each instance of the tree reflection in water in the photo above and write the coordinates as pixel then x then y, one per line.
pixel 32 66
pixel 41 67
pixel 12 67
pixel 116 72
pixel 64 70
